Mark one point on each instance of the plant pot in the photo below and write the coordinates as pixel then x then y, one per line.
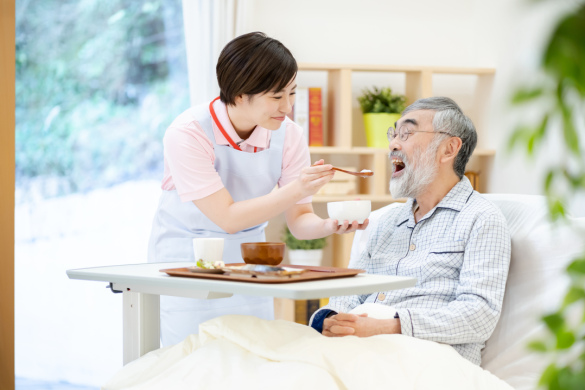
pixel 305 257
pixel 376 125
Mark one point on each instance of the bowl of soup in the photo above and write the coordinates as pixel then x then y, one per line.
pixel 265 253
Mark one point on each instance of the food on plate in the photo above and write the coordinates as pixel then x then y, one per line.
pixel 263 271
pixel 210 264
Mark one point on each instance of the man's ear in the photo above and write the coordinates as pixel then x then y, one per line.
pixel 451 148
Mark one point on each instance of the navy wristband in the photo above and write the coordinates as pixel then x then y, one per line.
pixel 317 323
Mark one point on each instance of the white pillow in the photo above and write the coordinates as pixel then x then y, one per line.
pixel 536 285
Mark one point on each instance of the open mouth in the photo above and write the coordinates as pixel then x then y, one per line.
pixel 397 164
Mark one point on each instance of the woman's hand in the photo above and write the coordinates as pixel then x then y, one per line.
pixel 332 226
pixel 314 177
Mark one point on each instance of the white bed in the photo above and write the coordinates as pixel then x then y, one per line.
pixel 246 352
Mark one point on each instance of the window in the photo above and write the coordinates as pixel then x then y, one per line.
pixel 97 83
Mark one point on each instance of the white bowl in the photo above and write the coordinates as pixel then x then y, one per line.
pixel 350 210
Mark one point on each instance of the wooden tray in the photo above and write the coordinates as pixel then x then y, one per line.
pixel 313 273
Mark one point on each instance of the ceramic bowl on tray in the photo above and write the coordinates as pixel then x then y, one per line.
pixel 350 210
pixel 265 253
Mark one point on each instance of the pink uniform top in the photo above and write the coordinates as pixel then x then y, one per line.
pixel 189 154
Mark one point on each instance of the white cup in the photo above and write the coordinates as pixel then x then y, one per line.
pixel 208 249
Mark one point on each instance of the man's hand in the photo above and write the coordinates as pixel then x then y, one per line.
pixel 345 324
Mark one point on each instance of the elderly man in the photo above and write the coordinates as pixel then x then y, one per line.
pixel 455 242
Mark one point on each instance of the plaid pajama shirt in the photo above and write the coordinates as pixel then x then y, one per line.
pixel 460 254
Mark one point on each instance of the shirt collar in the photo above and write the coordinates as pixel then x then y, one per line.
pixel 455 199
pixel 260 136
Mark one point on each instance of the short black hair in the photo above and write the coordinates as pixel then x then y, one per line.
pixel 251 64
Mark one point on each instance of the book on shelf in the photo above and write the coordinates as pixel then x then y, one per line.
pixel 301 111
pixel 315 117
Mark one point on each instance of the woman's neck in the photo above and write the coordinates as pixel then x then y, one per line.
pixel 242 125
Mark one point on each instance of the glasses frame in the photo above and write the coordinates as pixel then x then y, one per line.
pixel 403 136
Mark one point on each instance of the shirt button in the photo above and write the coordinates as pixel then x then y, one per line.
pixel 412 247
pixel 381 296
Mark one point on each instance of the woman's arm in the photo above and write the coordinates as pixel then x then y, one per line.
pixel 304 224
pixel 232 216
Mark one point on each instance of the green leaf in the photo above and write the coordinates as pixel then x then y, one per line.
pixel 573 295
pixel 556 208
pixel 538 346
pixel 564 55
pixel 549 179
pixel 554 322
pixel 519 136
pixel 569 131
pixel 525 95
pixel 570 379
pixel 550 377
pixel 577 180
pixel 541 130
pixel 577 267
pixel 381 100
pixel 565 339
pixel 294 243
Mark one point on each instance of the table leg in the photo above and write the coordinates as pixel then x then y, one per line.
pixel 141 324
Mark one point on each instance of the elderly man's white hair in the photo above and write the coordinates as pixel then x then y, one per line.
pixel 449 118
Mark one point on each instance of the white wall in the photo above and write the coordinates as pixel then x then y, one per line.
pixel 505 34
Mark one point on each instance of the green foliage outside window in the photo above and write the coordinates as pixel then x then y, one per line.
pixel 562 91
pixel 97 83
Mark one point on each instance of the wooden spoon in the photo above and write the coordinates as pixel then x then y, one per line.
pixel 363 173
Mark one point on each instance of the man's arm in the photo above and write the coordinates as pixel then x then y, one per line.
pixel 344 304
pixel 346 324
pixel 472 316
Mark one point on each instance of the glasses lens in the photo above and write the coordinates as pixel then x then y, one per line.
pixel 403 133
pixel 391 133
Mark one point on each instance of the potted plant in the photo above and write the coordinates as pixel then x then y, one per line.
pixel 381 110
pixel 303 252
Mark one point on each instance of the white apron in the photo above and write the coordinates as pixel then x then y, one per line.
pixel 245 176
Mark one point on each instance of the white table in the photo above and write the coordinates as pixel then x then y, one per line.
pixel 142 285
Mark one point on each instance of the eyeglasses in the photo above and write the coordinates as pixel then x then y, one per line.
pixel 404 132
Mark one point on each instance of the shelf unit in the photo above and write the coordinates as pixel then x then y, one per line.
pixel 341 113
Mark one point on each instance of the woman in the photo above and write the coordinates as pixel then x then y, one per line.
pixel 222 161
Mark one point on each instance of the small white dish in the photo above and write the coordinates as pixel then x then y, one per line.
pixel 349 210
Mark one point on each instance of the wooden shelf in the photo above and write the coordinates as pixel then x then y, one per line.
pixel 336 150
pixel 340 198
pixel 365 150
pixel 396 68
pixel 484 152
pixel 342 141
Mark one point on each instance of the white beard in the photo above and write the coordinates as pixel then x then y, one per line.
pixel 414 181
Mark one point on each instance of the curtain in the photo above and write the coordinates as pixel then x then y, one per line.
pixel 209 25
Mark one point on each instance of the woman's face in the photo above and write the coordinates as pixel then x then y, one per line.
pixel 269 109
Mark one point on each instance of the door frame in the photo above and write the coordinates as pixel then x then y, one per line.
pixel 7 164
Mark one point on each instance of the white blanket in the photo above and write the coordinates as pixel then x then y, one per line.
pixel 245 352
